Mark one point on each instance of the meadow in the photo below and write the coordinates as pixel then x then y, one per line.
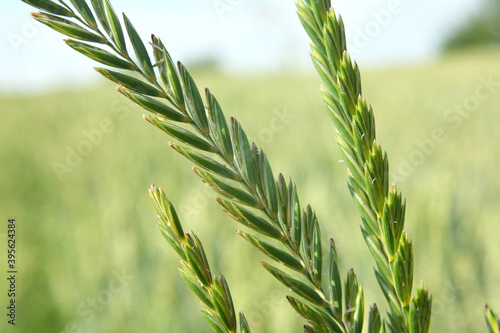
pixel 77 164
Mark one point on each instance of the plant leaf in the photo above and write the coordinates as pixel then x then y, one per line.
pixel 140 50
pixel 250 220
pixel 335 285
pixel 155 106
pixel 100 12
pixel 420 311
pixel 50 7
pixel 67 27
pixel 229 191
pixel 100 55
pixel 244 327
pixel 207 163
pixel 492 320
pixel 116 28
pixel 300 288
pixel 130 82
pixel 193 99
pixel 82 7
pixel 243 154
pixel 274 252
pixel 218 126
pixel 181 134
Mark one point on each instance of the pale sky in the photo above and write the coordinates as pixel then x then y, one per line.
pixel 243 35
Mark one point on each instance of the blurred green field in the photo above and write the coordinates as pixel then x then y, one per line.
pixel 92 260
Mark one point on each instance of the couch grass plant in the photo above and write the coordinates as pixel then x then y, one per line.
pixel 267 205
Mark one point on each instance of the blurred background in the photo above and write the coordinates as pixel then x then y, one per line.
pixel 77 160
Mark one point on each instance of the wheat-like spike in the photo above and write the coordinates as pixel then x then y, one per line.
pixel 242 174
pixel 216 302
pixel 381 206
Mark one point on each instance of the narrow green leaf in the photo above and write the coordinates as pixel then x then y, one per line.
pixel 174 79
pixel 243 153
pixel 274 252
pixel 335 285
pixel 193 99
pixel 492 320
pixel 213 320
pixel 165 208
pixel 116 28
pixel 140 50
pixel 397 206
pixel 199 291
pixel 352 291
pixel 100 12
pixel 207 163
pixel 403 271
pixel 82 7
pixel 333 41
pixel 420 311
pixel 100 55
pixel 319 11
pixel 181 134
pixel 316 316
pixel 282 202
pixel 50 7
pixel 306 17
pixel 387 225
pixel 367 215
pixel 223 303
pixel 244 327
pixel 300 288
pixel 67 27
pixel 197 259
pixel 375 323
pixel 155 106
pixel 294 216
pixel 317 251
pixel 218 126
pixel 250 220
pixel 360 311
pixel 269 193
pixel 323 69
pixel 130 82
pixel 161 57
pixel 171 239
pixel 229 191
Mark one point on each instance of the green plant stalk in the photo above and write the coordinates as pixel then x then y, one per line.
pixel 251 179
pixel 381 206
pixel 217 305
